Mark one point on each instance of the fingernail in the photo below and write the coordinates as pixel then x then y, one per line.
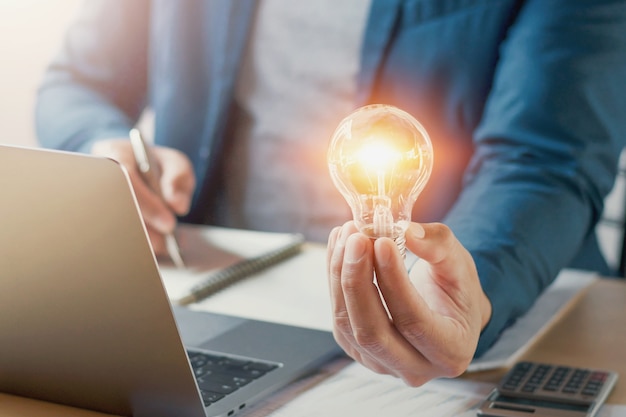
pixel 383 251
pixel 355 249
pixel 343 236
pixel 417 230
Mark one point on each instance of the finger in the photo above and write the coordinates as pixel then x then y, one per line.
pixel 355 272
pixel 332 240
pixel 177 179
pixel 436 244
pixel 455 271
pixel 451 267
pixel 342 328
pixel 373 333
pixel 446 310
pixel 157 240
pixel 352 350
pixel 334 260
pixel 330 265
pixel 335 263
pixel 155 212
pixel 411 315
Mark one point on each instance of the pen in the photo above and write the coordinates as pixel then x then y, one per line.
pixel 150 174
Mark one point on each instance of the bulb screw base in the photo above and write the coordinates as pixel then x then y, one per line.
pixel 401 243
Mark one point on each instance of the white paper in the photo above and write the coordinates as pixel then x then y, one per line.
pixel 353 390
pixel 206 250
pixel 293 292
pixel 357 391
pixel 516 339
pixel 612 410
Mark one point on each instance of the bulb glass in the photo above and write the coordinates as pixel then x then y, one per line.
pixel 380 159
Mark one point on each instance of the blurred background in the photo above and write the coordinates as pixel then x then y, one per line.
pixel 30 33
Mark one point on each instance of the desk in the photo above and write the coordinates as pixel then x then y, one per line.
pixel 589 333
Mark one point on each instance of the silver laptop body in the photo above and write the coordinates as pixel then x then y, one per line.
pixel 85 318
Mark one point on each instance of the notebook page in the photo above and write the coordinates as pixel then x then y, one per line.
pixel 207 249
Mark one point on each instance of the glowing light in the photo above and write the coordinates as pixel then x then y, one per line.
pixel 380 159
pixel 378 156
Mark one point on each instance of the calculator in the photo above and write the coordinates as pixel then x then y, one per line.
pixel 543 390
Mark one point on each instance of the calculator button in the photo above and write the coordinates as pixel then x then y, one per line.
pixel 557 379
pixel 595 383
pixel 599 376
pixel 551 387
pixel 555 383
pixel 524 366
pixel 575 383
pixel 589 391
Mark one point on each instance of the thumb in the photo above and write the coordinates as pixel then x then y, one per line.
pixel 451 266
pixel 436 244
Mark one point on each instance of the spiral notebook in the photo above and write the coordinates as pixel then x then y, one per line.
pixel 218 257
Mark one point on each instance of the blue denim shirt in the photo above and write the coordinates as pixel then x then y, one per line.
pixel 525 102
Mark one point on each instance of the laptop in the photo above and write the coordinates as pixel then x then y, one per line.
pixel 86 320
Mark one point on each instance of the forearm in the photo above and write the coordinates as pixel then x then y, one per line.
pixel 96 85
pixel 521 227
pixel 70 117
pixel 546 151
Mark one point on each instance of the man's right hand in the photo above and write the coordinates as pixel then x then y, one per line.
pixel 177 184
pixel 416 326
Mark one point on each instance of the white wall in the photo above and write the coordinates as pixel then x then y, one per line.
pixel 30 33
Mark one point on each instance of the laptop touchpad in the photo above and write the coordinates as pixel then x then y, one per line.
pixel 197 327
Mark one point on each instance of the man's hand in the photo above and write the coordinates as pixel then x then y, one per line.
pixel 416 328
pixel 177 184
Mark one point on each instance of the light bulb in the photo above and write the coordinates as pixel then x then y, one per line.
pixel 380 158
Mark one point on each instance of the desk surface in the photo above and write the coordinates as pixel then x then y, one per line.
pixel 589 333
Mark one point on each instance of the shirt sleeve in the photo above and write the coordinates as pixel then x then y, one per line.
pixel 95 87
pixel 546 150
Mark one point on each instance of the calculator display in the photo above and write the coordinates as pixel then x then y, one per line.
pixel 540 403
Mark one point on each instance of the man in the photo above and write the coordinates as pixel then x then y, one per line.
pixel 524 102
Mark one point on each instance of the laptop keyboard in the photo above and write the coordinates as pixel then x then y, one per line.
pixel 218 376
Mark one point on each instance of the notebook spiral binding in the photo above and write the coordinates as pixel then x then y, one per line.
pixel 247 267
